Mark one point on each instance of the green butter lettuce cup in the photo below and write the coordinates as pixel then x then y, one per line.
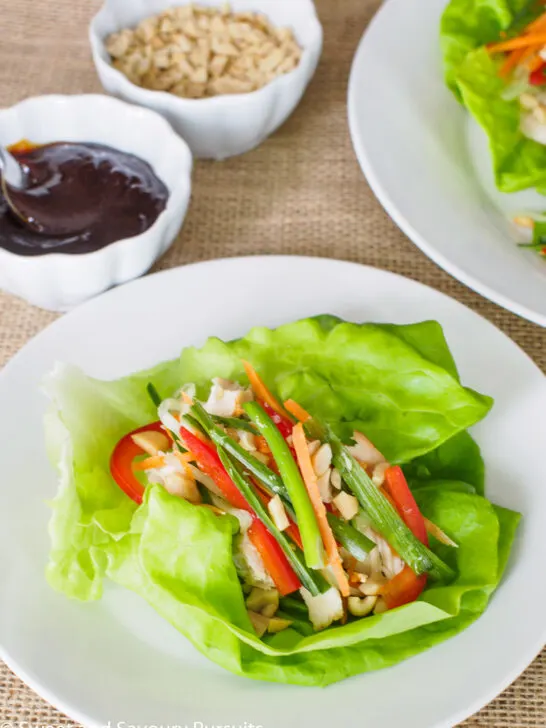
pixel 473 75
pixel 398 384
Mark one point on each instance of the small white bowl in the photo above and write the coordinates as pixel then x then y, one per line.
pixel 221 126
pixel 59 281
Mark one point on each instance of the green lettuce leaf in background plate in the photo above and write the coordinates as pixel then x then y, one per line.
pixel 398 383
pixel 518 162
pixel 469 24
pixel 472 74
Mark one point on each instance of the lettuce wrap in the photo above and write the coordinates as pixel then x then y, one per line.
pixel 473 75
pixel 398 384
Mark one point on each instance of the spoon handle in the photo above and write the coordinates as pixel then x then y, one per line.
pixel 11 169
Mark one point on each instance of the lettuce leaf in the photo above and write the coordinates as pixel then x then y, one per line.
pixel 472 74
pixel 459 458
pixel 518 162
pixel 86 419
pixel 469 24
pixel 178 563
pixel 398 384
pixel 178 557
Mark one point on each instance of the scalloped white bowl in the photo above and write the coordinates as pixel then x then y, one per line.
pixel 221 126
pixel 59 281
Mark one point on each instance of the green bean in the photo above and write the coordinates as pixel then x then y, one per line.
pixel 292 479
pixel 355 542
pixel 235 423
pixel 385 519
pixel 154 394
pixel 308 580
pixel 272 482
pixel 383 516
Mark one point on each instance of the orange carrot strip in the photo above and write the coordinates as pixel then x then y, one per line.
pixel 530 53
pixel 514 43
pixel 185 459
pixel 511 61
pixel 536 25
pixel 534 63
pixel 310 480
pixel 157 461
pixel 297 410
pixel 186 398
pixel 260 390
pixel 262 446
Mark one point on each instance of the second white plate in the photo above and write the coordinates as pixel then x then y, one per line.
pixel 428 166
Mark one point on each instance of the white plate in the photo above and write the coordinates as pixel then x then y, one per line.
pixel 428 164
pixel 115 661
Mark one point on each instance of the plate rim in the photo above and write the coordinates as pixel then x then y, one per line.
pixel 70 710
pixel 390 207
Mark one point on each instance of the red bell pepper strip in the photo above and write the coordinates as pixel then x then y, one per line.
pixel 294 532
pixel 209 462
pixel 406 586
pixel 284 425
pixel 275 562
pixel 398 489
pixel 538 76
pixel 121 462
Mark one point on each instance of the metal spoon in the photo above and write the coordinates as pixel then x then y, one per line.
pixel 12 173
pixel 13 180
pixel 45 208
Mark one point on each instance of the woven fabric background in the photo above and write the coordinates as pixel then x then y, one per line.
pixel 301 192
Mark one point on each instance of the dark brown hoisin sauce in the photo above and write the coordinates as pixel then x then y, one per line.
pixel 93 193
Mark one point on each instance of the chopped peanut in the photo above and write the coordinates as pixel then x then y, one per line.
pixel 151 442
pixel 196 52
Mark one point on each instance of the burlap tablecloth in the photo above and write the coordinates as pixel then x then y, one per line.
pixel 301 192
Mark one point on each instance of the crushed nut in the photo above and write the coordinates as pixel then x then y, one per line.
pixel 524 221
pixel 528 101
pixel 195 52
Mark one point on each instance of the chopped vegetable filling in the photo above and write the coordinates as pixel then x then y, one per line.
pixel 297 506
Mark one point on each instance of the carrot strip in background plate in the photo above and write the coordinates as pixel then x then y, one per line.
pixel 310 480
pixel 513 60
pixel 521 42
pixel 534 63
pixel 536 25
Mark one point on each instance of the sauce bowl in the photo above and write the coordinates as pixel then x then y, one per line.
pixel 59 281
